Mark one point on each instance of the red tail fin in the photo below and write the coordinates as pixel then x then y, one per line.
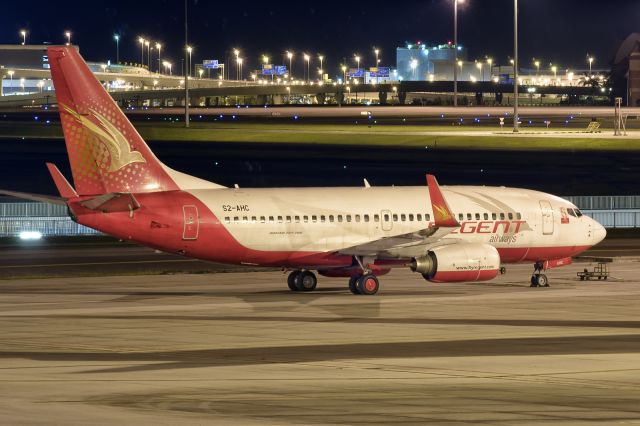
pixel 105 151
pixel 442 215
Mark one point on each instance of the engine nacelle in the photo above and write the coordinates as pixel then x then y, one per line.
pixel 458 263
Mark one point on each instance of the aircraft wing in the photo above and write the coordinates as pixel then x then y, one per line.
pixel 415 243
pixel 34 197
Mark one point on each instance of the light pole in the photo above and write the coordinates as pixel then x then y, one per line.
pixel 537 64
pixel 116 37
pixel 141 41
pixel 321 71
pixel 590 64
pixel 240 61
pixel 344 71
pixel 515 67
pixel 357 57
pixel 290 56
pixel 23 33
pixel 308 58
pixel 479 66
pixel 159 47
pixel 490 63
pixel 67 34
pixel 377 52
pixel 455 53
pixel 148 46
pixel 237 53
pixel 186 78
pixel 189 50
pixel 554 70
pixel 11 72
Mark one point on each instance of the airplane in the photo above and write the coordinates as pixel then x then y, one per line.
pixel 447 234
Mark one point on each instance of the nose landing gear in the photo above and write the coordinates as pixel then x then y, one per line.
pixel 538 279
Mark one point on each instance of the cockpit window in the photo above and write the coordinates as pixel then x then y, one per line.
pixel 578 212
pixel 571 212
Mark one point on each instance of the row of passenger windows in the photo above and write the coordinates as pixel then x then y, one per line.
pixel 494 216
pixel 402 217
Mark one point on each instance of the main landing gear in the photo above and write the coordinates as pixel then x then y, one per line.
pixel 302 281
pixel 538 279
pixel 366 284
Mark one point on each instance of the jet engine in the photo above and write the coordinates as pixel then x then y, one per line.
pixel 458 263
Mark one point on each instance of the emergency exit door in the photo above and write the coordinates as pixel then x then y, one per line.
pixel 191 223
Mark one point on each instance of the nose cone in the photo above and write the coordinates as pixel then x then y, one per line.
pixel 599 233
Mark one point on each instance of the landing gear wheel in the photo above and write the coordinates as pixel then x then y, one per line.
pixel 543 281
pixel 293 277
pixel 307 281
pixel 368 284
pixel 503 270
pixel 534 281
pixel 353 284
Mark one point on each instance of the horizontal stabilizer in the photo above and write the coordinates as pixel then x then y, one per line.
pixel 442 214
pixel 112 202
pixel 52 199
pixel 64 188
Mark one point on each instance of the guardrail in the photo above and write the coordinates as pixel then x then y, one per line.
pixel 52 219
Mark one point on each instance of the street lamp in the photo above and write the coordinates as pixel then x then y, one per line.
pixel 357 57
pixel 237 53
pixel 590 64
pixel 414 65
pixel 200 72
pixel 167 65
pixel 141 41
pixel 290 56
pixel 23 33
pixel 554 69
pixel 321 59
pixel 490 63
pixel 344 71
pixel 148 46
pixel 308 58
pixel 11 72
pixel 377 52
pixel 479 66
pixel 67 34
pixel 159 47
pixel 116 37
pixel 240 60
pixel 455 53
pixel 189 50
pixel 537 64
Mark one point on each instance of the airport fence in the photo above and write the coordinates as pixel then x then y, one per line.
pixel 52 219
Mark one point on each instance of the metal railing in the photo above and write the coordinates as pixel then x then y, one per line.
pixel 52 219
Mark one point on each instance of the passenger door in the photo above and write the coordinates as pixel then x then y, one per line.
pixel 191 223
pixel 547 218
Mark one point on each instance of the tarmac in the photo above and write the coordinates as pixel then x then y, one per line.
pixel 240 348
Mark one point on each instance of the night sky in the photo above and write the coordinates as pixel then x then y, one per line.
pixel 558 31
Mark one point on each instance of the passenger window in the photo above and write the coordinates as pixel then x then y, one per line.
pixel 270 218
pixel 376 218
pixel 297 218
pixel 288 219
pixel 386 218
pixel 339 218
pixel 262 219
pixel 419 217
pixel 494 216
pixel 469 216
pixel 510 216
pixel 366 218
pixel 410 217
pixel 314 218
pixel 486 216
pixel 427 216
pixel 519 216
pixel 280 219
pixel 235 219
pixel 254 219
pixel 460 216
pixel 330 218
pixel 501 216
pixel 245 219
pixel 357 218
pixel 395 217
pixel 305 218
pixel 477 216
pixel 227 220
pixel 322 219
pixel 348 218
pixel 403 217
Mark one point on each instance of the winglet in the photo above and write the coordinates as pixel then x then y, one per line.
pixel 443 217
pixel 64 188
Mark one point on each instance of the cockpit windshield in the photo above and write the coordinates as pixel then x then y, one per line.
pixel 574 212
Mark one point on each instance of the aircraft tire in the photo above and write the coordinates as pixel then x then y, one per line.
pixel 542 280
pixel 353 284
pixel 307 281
pixel 368 284
pixel 291 280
